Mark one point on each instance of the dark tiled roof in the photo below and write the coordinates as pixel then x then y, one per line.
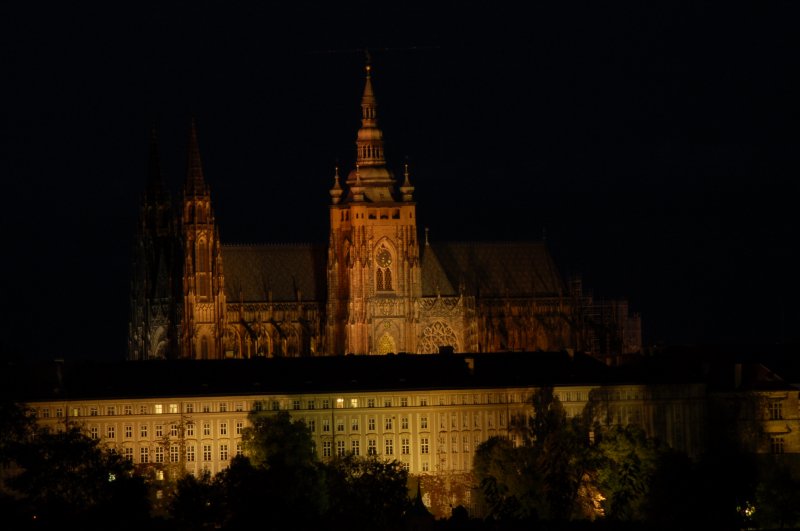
pixel 500 269
pixel 252 271
pixel 176 378
pixel 434 279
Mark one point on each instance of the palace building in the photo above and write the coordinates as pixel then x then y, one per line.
pixel 377 286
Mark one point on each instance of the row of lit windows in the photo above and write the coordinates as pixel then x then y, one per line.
pixel 142 409
pixel 190 429
pixel 160 454
pixel 388 447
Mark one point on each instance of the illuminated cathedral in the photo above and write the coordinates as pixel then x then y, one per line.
pixel 378 286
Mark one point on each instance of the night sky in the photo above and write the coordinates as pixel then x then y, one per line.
pixel 655 145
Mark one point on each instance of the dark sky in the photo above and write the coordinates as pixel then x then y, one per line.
pixel 655 144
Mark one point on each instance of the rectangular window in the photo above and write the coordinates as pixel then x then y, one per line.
pixel 173 408
pixel 423 445
pixel 159 409
pixel 370 402
pixel 776 445
pixel 223 428
pixel 310 404
pixel 44 413
pixel 355 447
pixel 239 448
pixel 339 424
pixel 776 410
pixel 127 453
pixel 144 455
pixel 387 423
pixel 159 454
pixel 143 431
pixel 240 427
pixel 326 403
pixel 59 412
pixel 275 406
pixel 223 452
pixel 111 410
pixel 206 429
pixel 111 432
pixel 159 430
pixel 423 402
pixel 206 452
pixel 372 447
pixel 190 429
pixel 312 425
pixel 404 446
pixel 295 404
pixel 354 402
pixel 174 453
pixel 354 424
pixel 423 422
pixel 94 433
pixel 404 402
pixel 371 424
pixel 173 430
pixel 425 466
pixel 93 411
pixel 206 408
pixel 340 448
pixel 76 412
pixel 223 407
pixel 387 402
pixel 128 410
pixel 128 431
pixel 190 453
pixel 143 410
pixel 465 443
pixel 403 423
pixel 326 425
pixel 326 448
pixel 389 447
pixel 189 408
pixel 239 406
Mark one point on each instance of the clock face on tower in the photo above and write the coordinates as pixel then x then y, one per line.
pixel 384 258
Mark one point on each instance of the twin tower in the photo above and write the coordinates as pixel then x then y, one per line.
pixel 373 288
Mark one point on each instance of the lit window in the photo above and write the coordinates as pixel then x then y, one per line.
pixel 159 409
pixel 173 408
pixel 354 402
pixel 339 403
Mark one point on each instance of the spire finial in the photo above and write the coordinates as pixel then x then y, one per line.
pixel 406 189
pixel 336 191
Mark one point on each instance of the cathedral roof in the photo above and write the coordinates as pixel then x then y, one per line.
pixel 492 269
pixel 252 272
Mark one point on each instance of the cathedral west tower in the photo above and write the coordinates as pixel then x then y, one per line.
pixel 374 275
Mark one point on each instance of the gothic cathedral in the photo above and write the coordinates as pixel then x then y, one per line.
pixel 373 289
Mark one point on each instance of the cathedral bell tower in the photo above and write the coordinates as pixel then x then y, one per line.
pixel 203 282
pixel 374 275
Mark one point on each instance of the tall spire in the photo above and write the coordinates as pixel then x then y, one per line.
pixel 377 179
pixel 195 183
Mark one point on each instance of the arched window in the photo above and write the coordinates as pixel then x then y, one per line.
pixel 379 279
pixel 387 279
